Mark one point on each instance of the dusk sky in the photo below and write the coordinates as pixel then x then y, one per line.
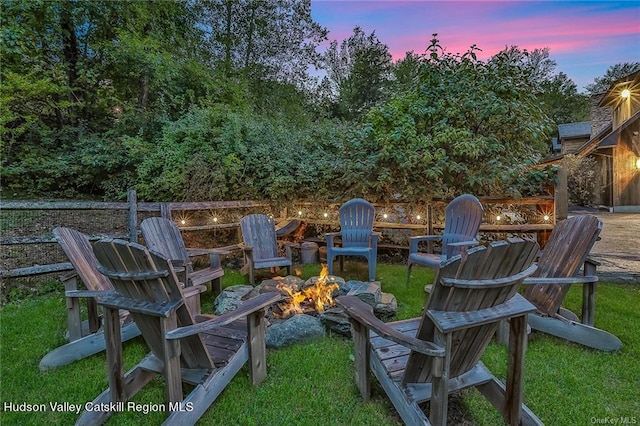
pixel 583 37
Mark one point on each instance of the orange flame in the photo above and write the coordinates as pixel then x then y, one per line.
pixel 320 295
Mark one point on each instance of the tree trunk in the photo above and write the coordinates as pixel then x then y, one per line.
pixel 71 54
pixel 228 38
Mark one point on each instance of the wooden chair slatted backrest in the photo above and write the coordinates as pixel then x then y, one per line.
pixel 78 249
pixel 463 216
pixel 498 260
pixel 127 265
pixel 259 231
pixel 566 250
pixel 163 236
pixel 356 222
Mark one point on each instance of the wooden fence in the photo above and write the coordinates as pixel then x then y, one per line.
pixel 28 248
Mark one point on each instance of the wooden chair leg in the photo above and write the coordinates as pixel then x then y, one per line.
pixel 171 360
pixel 115 365
pixel 330 258
pixel 74 319
pixel 514 384
pixel 362 354
pixel 589 295
pixel 256 329
pixel 440 392
pixel 93 316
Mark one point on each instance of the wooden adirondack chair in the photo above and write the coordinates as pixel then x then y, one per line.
pixel 207 354
pixel 463 216
pixel 85 337
pixel 162 235
pixel 425 359
pixel 358 237
pixel 565 252
pixel 260 246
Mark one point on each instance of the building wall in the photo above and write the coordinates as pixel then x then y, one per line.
pixel 600 116
pixel 602 190
pixel 569 146
pixel 626 173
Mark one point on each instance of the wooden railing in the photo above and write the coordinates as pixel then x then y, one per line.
pixel 201 216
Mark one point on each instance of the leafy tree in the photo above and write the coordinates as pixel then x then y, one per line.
pixel 466 125
pixel 613 73
pixel 263 39
pixel 406 71
pixel 77 73
pixel 358 73
pixel 562 101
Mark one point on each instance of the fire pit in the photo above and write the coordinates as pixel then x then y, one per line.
pixel 315 295
pixel 308 309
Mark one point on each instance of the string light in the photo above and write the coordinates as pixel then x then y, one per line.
pixel 545 218
pixel 325 214
pixel 498 218
pixel 418 217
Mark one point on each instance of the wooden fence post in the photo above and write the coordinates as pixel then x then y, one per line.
pixel 560 195
pixel 132 199
pixel 165 210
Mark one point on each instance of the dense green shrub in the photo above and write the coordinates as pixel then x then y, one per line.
pixel 218 153
pixel 581 172
pixel 464 126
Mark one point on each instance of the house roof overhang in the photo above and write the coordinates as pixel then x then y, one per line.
pixel 612 138
pixel 612 96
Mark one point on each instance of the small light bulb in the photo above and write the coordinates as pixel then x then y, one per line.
pixel 325 214
pixel 418 217
pixel 183 221
pixel 385 215
pixel 625 94
pixel 299 212
pixel 215 219
pixel 498 218
pixel 545 217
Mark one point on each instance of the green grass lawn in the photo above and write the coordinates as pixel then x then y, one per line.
pixel 311 383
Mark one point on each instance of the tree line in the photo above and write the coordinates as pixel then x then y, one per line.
pixel 234 99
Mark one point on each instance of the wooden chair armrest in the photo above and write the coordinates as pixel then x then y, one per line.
pixel 414 241
pixel 113 300
pixel 462 244
pixel 489 283
pixel 86 293
pixel 592 261
pixel 448 321
pixel 250 306
pixel 564 280
pixel 68 276
pixel 203 251
pixel 363 313
pixel 245 247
